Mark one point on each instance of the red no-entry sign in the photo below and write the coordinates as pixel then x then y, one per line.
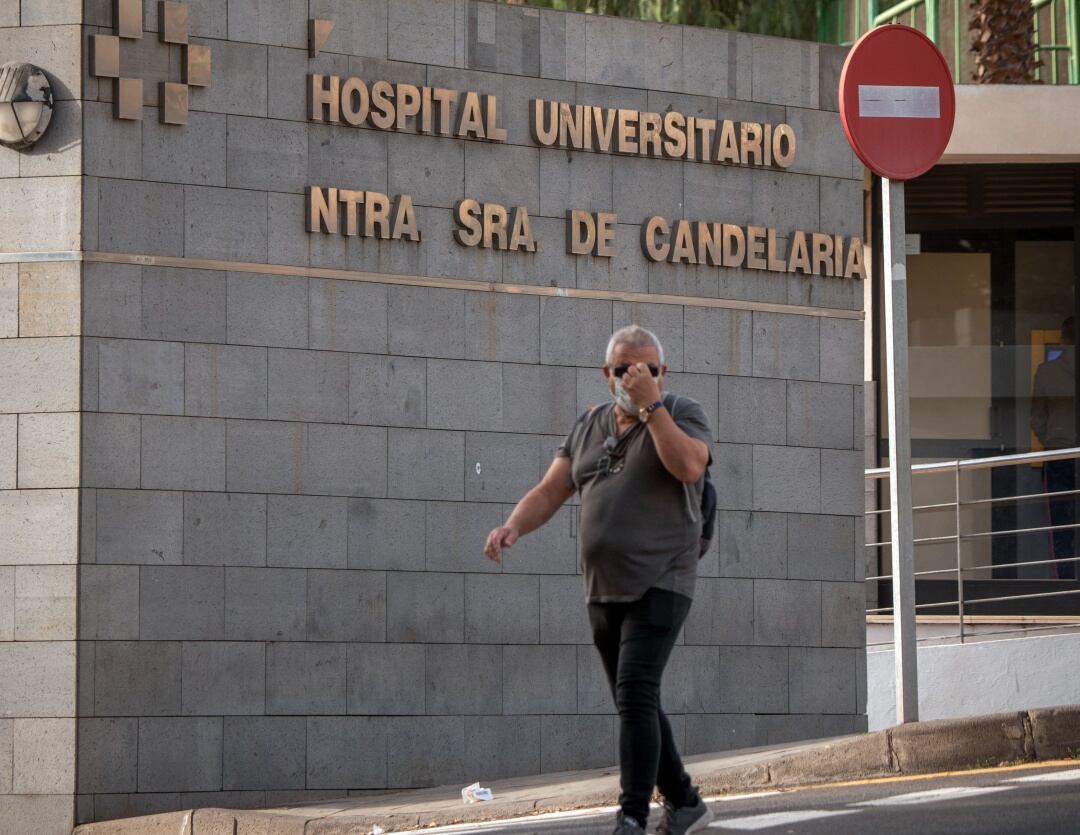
pixel 896 102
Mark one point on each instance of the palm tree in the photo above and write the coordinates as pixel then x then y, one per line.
pixel 1003 40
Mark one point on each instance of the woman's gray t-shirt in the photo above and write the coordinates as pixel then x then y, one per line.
pixel 640 526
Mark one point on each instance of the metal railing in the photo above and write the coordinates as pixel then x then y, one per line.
pixel 960 536
pixel 1057 29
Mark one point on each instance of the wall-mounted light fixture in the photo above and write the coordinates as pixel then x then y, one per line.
pixel 26 105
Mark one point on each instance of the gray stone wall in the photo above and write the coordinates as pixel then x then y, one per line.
pixel 287 473
pixel 40 306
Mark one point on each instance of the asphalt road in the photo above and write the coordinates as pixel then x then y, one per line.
pixel 1044 800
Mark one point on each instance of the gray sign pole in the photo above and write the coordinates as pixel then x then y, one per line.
pixel 900 524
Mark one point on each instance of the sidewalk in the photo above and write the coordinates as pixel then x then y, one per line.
pixel 927 747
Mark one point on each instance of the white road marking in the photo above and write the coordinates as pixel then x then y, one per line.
pixel 1050 777
pixel 934 795
pixel 894 101
pixel 753 822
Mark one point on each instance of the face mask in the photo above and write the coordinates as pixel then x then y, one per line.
pixel 623 399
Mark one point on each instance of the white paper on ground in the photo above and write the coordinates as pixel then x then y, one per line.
pixel 476 794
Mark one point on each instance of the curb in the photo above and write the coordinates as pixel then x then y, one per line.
pixel 919 748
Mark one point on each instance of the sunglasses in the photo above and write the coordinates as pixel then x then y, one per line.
pixel 611 461
pixel 619 370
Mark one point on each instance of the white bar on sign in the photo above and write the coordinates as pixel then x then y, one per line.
pixel 888 101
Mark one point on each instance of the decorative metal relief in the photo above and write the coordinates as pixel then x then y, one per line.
pixel 173 26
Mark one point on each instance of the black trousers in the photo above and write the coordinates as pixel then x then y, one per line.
pixel 1059 476
pixel 635 641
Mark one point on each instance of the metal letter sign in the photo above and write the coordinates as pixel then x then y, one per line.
pixel 897 106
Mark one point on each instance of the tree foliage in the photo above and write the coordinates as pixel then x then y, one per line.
pixel 783 18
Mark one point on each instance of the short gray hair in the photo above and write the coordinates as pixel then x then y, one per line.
pixel 633 336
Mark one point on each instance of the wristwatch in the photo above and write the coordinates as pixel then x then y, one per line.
pixel 646 411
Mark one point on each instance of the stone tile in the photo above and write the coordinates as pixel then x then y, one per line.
pixel 842 482
pixel 40 527
pixel 136 678
pixel 753 410
pixel 287 240
pixel 41 812
pixel 110 450
pixel 430 168
pixel 841 206
pixel 132 805
pixel 267 154
pixel 420 32
pixel 7 611
pixel 40 679
pixel 40 375
pixel 502 746
pixel 841 351
pixel 463 679
pixel 733 476
pixel 349 157
pixel 9 451
pixel 843 614
pixel 550 266
pixel 181 453
pixel 723 613
pixel 308 385
pixel 48 450
pixel 49 299
pixel 425 607
pixel 346 752
pixel 265 752
pixel 563 615
pixel 786 346
pixel 823 680
pixel 718 341
pixel 711 732
pixel 221 678
pixel 36 197
pixel 45 603
pixel 502 609
pixel 754 679
pixel 500 467
pixel 456 532
pixel 787 479
pixel 539 679
pixel 361 25
pixel 108 755
pixel 785 73
pixel 225 381
pixel 348 316
pixel 112 300
pixel 752 544
pixel 224 529
pixel 255 462
pixel 140 217
pixel 139 527
pixel 240 83
pixel 265 604
pixel 195 155
pixel 227 224
pixel 615 47
pixel 553 549
pixel 345 460
pixel 820 415
pixel 829 155
pixel 305 678
pixel 501 327
pixel 643 187
pixel 387 391
pixel 386 679
pixel 268 310
pixel 594 691
pixel 141 376
pixel 574 180
pixel 505 174
pixel 821 547
pixel 692 681
pixel 713 48
pixel 375 534
pixel 426 464
pixel 664 320
pixel 427 322
pixel 539 399
pixel 787 613
pixel 185 305
pixel 9 301
pixel 181 603
pixel 576 742
pixel 464 395
pixel 180 753
pixel 346 606
pixel 44 756
pixel 574 331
